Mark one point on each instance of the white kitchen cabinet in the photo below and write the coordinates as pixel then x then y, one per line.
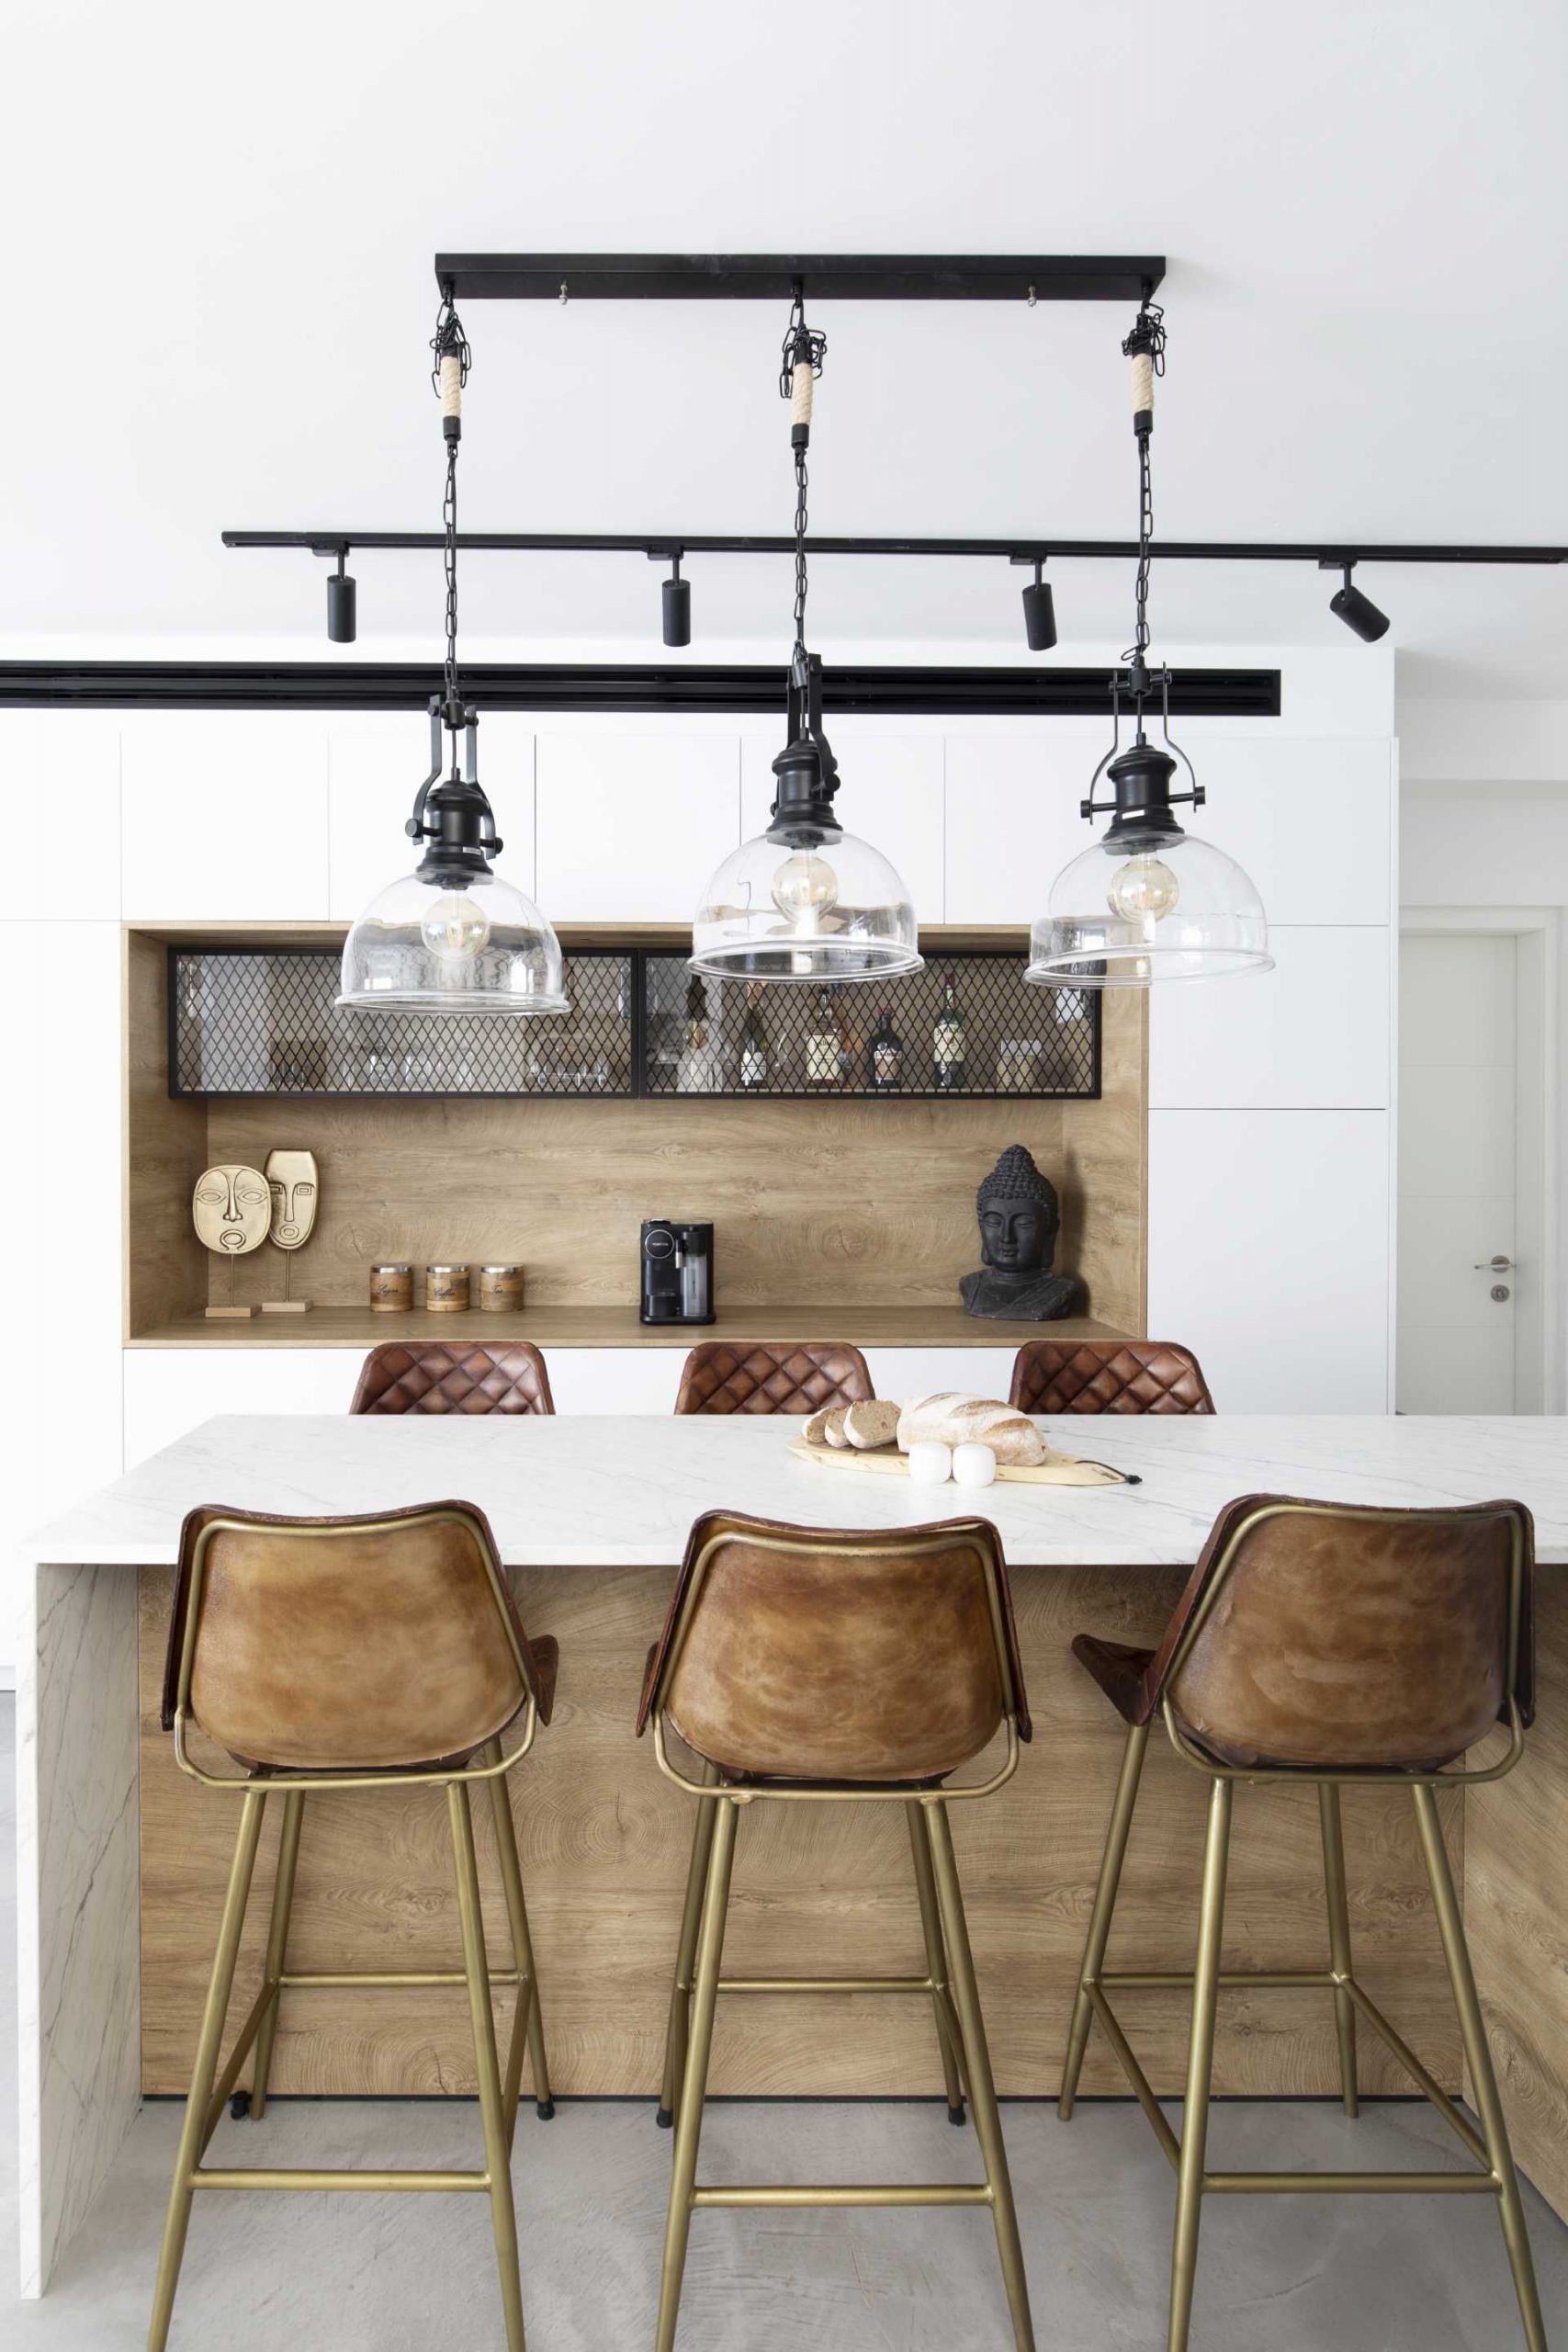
pixel 891 795
pixel 59 1208
pixel 617 1380
pixel 1270 1254
pixel 69 762
pixel 629 827
pixel 377 764
pixel 1013 821
pixel 225 815
pixel 903 1373
pixel 169 1390
pixel 1314 1034
pixel 1311 822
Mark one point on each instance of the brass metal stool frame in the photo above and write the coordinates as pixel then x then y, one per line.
pixel 498 2095
pixel 950 1985
pixel 1489 2147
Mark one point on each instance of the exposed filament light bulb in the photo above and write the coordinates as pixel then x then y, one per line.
pixel 804 889
pixel 454 925
pixel 1143 890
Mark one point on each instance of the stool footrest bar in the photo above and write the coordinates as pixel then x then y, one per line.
pixel 322 1980
pixel 826 1984
pixel 1289 1979
pixel 377 2183
pixel 887 2193
pixel 1391 2184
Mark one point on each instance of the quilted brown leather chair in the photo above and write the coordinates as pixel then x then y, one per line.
pixel 764 1376
pixel 433 1378
pixel 807 1664
pixel 1325 1644
pixel 365 1654
pixel 1108 1376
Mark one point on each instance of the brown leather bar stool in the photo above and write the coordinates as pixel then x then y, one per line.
pixel 1322 1644
pixel 1108 1376
pixel 432 1378
pixel 355 1653
pixel 819 1666
pixel 762 1377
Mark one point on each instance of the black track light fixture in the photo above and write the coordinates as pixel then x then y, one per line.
pixel 1357 612
pixel 1039 612
pixel 342 597
pixel 675 596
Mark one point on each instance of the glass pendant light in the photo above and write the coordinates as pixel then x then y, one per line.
pixel 805 901
pixel 1146 902
pixel 454 935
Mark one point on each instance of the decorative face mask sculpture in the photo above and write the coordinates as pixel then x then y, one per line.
pixel 232 1208
pixel 1019 1216
pixel 295 1189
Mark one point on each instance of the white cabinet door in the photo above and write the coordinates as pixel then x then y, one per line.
pixel 1311 822
pixel 377 764
pixel 70 760
pixel 225 815
pixel 59 1210
pixel 1013 822
pixel 615 1380
pixel 629 827
pixel 1268 1254
pixel 1314 1034
pixel 168 1391
pixel 891 795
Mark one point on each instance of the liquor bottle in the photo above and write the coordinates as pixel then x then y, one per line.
pixel 824 1043
pixel 694 1072
pixel 949 1049
pixel 754 1057
pixel 886 1054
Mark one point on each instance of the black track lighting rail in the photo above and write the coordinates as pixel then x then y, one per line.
pixel 1327 554
pixel 775 278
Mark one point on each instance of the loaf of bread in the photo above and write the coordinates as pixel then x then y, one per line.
pixel 816 1430
pixel 871 1423
pixel 949 1418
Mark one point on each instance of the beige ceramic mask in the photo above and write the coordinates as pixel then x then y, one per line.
pixel 232 1208
pixel 296 1188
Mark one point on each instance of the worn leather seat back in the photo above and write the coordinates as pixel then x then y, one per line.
pixel 433 1378
pixel 348 1644
pixel 763 1377
pixel 824 1654
pixel 1108 1376
pixel 1316 1636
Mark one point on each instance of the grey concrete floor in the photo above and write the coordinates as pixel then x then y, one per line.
pixel 415 2274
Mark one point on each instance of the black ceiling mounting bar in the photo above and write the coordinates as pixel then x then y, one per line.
pixel 730 691
pixel 773 277
pixel 1330 554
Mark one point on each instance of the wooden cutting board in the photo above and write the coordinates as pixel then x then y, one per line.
pixel 1057 1470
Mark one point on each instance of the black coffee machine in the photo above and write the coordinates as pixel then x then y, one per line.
pixel 677 1272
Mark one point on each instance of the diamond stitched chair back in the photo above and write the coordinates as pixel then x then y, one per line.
pixel 433 1378
pixel 759 1376
pixel 1108 1376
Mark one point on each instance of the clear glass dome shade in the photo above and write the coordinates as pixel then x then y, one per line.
pixel 465 944
pixel 816 904
pixel 1164 907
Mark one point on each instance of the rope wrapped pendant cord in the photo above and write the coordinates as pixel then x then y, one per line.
pixel 1145 349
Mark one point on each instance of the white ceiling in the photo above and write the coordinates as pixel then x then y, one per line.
pixel 223 222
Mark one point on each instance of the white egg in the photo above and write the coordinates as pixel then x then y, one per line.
pixel 974 1466
pixel 931 1464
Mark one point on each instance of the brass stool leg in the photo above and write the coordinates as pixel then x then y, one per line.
pixel 528 2015
pixel 686 1960
pixel 504 2219
pixel 1339 1939
pixel 209 2041
pixel 1109 1879
pixel 276 1946
pixel 1200 2062
pixel 978 2071
pixel 1478 2057
pixel 936 1961
pixel 689 2114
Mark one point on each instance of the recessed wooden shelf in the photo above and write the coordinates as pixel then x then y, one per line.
pixel 618 1327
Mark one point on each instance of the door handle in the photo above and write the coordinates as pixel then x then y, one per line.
pixel 1498 1265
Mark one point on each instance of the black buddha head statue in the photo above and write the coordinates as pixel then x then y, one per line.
pixel 1020 1215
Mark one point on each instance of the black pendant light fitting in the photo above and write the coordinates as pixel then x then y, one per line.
pixel 1358 611
pixel 675 597
pixel 1039 612
pixel 343 616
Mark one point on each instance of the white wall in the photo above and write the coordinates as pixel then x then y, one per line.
pixel 1268 1096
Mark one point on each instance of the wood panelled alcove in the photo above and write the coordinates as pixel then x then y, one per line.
pixel 861 1205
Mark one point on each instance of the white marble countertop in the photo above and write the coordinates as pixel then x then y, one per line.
pixel 577 1490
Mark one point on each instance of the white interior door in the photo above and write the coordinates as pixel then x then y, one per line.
pixel 1458 1198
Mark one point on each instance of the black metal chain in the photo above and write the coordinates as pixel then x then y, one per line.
pixel 450 342
pixel 804 347
pixel 1147 337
